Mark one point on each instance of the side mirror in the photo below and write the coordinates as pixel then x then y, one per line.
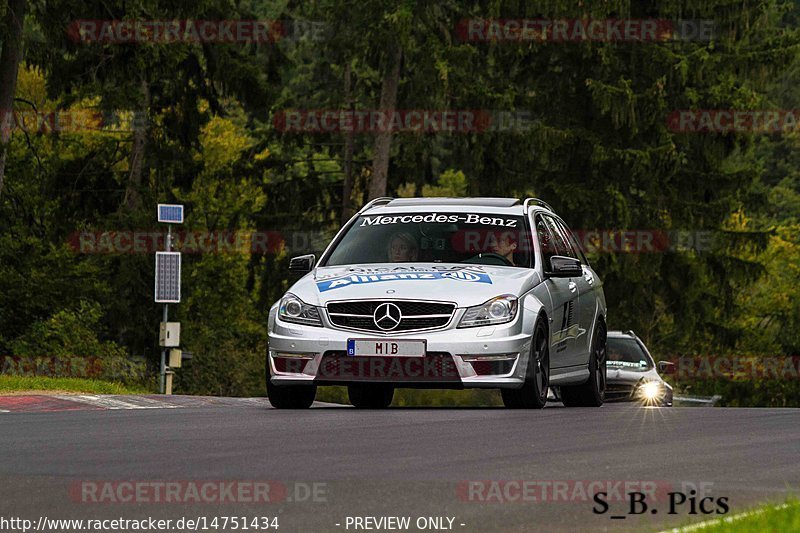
pixel 303 263
pixel 564 267
pixel 666 367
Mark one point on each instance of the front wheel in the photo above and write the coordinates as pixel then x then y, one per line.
pixel 593 392
pixel 290 396
pixel 533 393
pixel 370 395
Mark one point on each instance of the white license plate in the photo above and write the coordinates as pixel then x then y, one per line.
pixel 385 347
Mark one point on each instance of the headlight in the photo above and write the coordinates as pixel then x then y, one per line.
pixel 650 391
pixel 496 311
pixel 293 309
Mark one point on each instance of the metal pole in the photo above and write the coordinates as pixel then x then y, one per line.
pixel 165 318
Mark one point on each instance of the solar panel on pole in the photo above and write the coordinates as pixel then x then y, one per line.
pixel 170 213
pixel 168 277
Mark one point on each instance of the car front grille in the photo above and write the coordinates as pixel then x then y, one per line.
pixel 415 315
pixel 619 391
pixel 435 367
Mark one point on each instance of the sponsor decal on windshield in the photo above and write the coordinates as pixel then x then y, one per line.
pixel 629 364
pixel 400 269
pixel 452 218
pixel 417 275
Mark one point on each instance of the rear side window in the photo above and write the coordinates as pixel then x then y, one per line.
pixel 573 243
pixel 546 241
pixel 561 243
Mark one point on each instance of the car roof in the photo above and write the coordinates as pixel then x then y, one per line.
pixel 480 202
pixel 619 333
pixel 488 205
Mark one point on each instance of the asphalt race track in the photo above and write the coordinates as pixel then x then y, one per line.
pixel 323 465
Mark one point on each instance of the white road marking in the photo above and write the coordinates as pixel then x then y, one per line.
pixel 254 401
pixel 329 404
pixel 107 402
pixel 148 403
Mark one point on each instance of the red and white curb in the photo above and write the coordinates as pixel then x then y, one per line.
pixel 94 402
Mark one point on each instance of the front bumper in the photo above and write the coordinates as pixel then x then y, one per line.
pixel 480 357
pixel 631 391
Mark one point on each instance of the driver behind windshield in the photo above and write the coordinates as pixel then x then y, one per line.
pixel 504 246
pixel 402 248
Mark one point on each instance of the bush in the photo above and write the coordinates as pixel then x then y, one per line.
pixel 67 345
pixel 68 333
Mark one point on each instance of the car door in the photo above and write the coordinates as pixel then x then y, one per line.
pixel 586 309
pixel 563 295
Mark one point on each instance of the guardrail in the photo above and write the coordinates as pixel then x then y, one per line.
pixel 698 400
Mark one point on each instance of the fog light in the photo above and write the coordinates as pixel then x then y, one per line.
pixel 491 365
pixel 291 363
pixel 287 355
pixel 496 357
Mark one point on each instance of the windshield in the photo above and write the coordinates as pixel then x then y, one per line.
pixel 438 237
pixel 626 353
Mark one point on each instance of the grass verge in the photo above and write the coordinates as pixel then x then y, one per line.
pixel 785 517
pixel 18 384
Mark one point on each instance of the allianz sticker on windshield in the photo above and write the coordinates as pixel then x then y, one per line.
pixel 361 279
pixel 640 364
pixel 400 268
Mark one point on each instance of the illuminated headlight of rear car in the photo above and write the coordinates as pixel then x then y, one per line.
pixel 496 311
pixel 293 309
pixel 650 391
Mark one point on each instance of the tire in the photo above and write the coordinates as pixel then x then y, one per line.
pixel 289 396
pixel 667 400
pixel 533 393
pixel 592 393
pixel 370 395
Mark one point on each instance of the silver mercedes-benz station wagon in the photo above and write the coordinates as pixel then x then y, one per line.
pixel 443 293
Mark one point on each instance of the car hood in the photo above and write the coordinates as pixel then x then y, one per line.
pixel 620 375
pixel 466 285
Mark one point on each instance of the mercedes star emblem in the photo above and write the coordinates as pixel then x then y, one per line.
pixel 387 316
